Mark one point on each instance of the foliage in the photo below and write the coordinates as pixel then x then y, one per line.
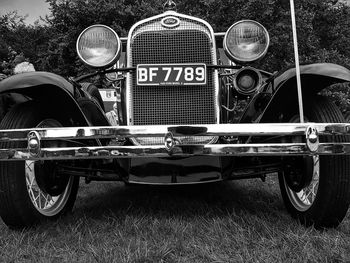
pixel 323 28
pixel 69 18
pixel 17 38
pixel 275 16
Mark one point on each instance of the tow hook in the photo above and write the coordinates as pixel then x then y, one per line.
pixel 169 142
pixel 34 144
pixel 312 140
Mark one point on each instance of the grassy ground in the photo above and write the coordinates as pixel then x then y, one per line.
pixel 241 221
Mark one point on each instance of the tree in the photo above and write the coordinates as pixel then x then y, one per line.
pixel 323 28
pixel 315 19
pixel 18 38
pixel 69 18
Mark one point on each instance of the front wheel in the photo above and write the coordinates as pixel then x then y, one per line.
pixel 316 190
pixel 32 191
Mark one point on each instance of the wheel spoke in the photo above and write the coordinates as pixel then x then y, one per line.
pixel 309 197
pixel 46 203
pixel 39 203
pixel 31 195
pixel 28 165
pixel 43 200
pixel 303 196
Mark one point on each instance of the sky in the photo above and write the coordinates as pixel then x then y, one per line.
pixel 33 8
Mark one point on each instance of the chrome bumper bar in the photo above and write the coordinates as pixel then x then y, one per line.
pixel 172 146
pixel 264 129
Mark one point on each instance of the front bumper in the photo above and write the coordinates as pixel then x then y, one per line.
pixel 172 147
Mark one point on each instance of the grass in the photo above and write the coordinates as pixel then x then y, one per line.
pixel 242 221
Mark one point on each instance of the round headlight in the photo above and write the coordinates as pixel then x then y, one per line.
pixel 246 41
pixel 99 46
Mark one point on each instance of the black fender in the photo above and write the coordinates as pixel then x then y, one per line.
pixel 314 78
pixel 54 92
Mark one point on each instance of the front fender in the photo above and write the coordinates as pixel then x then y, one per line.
pixel 314 78
pixel 51 91
pixel 332 72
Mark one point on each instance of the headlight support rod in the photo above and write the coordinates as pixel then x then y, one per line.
pixel 297 64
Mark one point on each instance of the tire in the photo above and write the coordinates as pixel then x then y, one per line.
pixel 329 179
pixel 94 92
pixel 23 201
pixel 347 117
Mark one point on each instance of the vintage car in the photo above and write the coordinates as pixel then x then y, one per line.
pixel 190 108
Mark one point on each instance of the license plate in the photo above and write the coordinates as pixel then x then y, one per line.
pixel 171 74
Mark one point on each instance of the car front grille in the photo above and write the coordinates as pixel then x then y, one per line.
pixel 190 42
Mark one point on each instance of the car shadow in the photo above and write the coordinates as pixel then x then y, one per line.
pixel 209 200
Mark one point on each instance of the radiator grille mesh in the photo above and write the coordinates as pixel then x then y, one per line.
pixel 172 105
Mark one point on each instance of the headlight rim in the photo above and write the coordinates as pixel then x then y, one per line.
pixel 111 61
pixel 245 61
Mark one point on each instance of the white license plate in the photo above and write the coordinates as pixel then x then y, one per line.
pixel 171 74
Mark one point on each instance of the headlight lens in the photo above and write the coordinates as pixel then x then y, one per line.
pixel 99 46
pixel 246 41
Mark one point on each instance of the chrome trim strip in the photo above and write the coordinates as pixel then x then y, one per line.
pixel 262 129
pixel 124 40
pixel 219 34
pixel 113 152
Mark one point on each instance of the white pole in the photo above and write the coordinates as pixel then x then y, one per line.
pixel 297 65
